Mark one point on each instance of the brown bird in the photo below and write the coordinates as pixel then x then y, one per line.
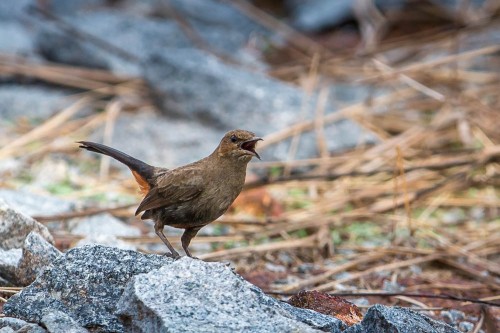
pixel 191 196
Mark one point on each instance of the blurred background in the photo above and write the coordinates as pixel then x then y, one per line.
pixel 380 122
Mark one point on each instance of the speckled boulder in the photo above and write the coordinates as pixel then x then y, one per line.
pixel 195 296
pixel 15 226
pixel 105 289
pixel 38 254
pixel 85 283
pixel 380 318
pixel 25 247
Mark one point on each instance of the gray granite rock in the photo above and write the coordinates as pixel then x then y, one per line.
pixel 15 28
pixel 15 38
pixel 85 283
pixel 38 255
pixel 137 35
pixel 4 282
pixel 14 10
pixel 102 224
pixel 61 47
pixel 221 25
pixel 15 227
pixel 466 326
pixel 9 261
pixel 33 204
pixel 204 89
pixel 20 267
pixel 454 9
pixel 13 323
pixel 95 288
pixel 176 141
pixel 194 296
pixel 453 316
pixel 201 90
pixel 60 322
pixel 19 326
pixel 380 318
pixel 316 15
pixel 64 7
pixel 105 289
pixel 25 247
pixel 17 101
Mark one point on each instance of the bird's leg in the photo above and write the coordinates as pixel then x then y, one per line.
pixel 159 231
pixel 188 234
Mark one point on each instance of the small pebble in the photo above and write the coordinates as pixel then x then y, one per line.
pixel 452 317
pixel 390 286
pixel 275 268
pixel 360 301
pixel 305 268
pixel 416 269
pixel 465 326
pixel 477 213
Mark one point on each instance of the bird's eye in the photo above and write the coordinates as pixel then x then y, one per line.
pixel 233 138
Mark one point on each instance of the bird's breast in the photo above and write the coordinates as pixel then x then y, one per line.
pixel 220 189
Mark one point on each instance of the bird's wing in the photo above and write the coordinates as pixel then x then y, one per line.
pixel 172 188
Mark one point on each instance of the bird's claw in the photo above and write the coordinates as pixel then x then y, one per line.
pixel 174 256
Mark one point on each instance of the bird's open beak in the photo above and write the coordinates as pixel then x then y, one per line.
pixel 249 145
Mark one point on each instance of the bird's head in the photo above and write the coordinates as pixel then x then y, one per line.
pixel 239 144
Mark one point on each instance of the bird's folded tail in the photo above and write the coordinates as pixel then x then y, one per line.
pixel 142 172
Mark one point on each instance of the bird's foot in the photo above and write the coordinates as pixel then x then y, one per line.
pixel 188 253
pixel 173 255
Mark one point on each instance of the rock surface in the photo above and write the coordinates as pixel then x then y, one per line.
pixel 9 261
pixel 202 88
pixel 84 283
pixel 60 322
pixel 18 325
pixel 170 149
pixel 193 296
pixel 319 15
pixel 15 227
pixel 25 247
pixel 206 95
pixel 134 31
pixel 38 254
pixel 61 47
pixel 105 289
pixel 17 101
pixel 380 318
pixel 316 15
pixel 102 224
pixel 15 34
pixel 33 204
